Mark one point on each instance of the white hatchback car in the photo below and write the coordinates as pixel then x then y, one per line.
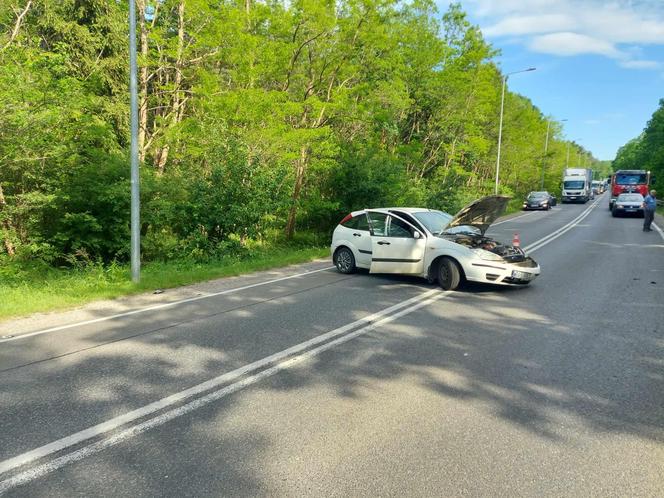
pixel 432 244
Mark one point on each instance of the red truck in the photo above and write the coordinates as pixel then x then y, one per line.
pixel 629 180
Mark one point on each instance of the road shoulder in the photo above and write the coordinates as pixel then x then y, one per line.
pixel 110 307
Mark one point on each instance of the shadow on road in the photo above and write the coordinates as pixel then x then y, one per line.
pixel 483 344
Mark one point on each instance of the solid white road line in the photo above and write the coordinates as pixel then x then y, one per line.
pixel 160 306
pixel 661 234
pixel 562 230
pixel 515 218
pixel 281 360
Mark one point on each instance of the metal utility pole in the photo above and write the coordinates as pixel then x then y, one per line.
pixel 135 186
pixel 500 126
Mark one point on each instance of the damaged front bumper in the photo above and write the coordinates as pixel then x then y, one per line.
pixel 503 273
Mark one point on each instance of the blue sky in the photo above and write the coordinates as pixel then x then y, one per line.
pixel 600 63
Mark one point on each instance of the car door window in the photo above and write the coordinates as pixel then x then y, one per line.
pixel 378 223
pixel 398 228
pixel 362 223
pixel 352 223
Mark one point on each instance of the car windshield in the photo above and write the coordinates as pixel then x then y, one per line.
pixel 434 221
pixel 537 195
pixel 574 184
pixel 630 198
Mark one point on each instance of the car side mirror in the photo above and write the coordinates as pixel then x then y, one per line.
pixel 417 234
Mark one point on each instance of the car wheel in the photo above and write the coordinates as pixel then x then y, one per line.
pixel 614 213
pixel 449 275
pixel 344 260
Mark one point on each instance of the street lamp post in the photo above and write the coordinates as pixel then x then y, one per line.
pixel 546 147
pixel 500 126
pixel 135 199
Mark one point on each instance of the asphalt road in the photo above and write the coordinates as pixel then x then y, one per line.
pixel 323 384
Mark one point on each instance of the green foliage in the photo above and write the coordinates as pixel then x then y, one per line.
pixel 647 150
pixel 261 123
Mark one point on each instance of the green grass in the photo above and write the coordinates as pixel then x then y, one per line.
pixel 31 290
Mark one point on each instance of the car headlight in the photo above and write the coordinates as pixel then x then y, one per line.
pixel 487 255
pixel 544 203
pixel 620 206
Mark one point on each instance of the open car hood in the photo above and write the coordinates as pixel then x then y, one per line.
pixel 481 213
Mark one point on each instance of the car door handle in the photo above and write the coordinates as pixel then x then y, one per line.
pixel 383 243
pixel 357 235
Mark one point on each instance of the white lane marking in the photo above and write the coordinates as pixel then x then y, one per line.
pixel 159 306
pixel 283 359
pixel 515 218
pixel 661 234
pixel 562 230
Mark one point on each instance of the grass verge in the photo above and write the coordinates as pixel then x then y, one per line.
pixel 30 291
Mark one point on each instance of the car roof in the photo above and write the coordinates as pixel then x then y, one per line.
pixel 402 209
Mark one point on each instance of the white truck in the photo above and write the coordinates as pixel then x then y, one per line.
pixel 577 185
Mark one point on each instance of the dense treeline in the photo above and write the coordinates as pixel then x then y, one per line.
pixel 259 120
pixel 647 150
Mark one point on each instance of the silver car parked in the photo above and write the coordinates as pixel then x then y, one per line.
pixel 628 204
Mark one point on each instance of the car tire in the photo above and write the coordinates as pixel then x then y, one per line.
pixel 344 260
pixel 614 213
pixel 449 274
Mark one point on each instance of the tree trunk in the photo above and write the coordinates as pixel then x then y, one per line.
pixel 6 227
pixel 143 84
pixel 17 24
pixel 300 170
pixel 161 154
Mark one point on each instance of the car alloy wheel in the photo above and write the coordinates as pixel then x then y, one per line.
pixel 344 260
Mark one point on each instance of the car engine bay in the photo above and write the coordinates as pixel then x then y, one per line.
pixel 510 253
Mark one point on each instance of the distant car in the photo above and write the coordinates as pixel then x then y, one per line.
pixel 432 244
pixel 628 204
pixel 597 187
pixel 539 200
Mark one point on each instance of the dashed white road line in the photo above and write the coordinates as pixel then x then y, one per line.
pixel 160 306
pixel 279 361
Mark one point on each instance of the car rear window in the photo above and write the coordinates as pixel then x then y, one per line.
pixel 357 223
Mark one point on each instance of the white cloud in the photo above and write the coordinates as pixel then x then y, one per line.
pixel 641 64
pixel 524 25
pixel 569 44
pixel 612 28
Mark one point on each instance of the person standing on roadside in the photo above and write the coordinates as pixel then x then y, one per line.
pixel 649 206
